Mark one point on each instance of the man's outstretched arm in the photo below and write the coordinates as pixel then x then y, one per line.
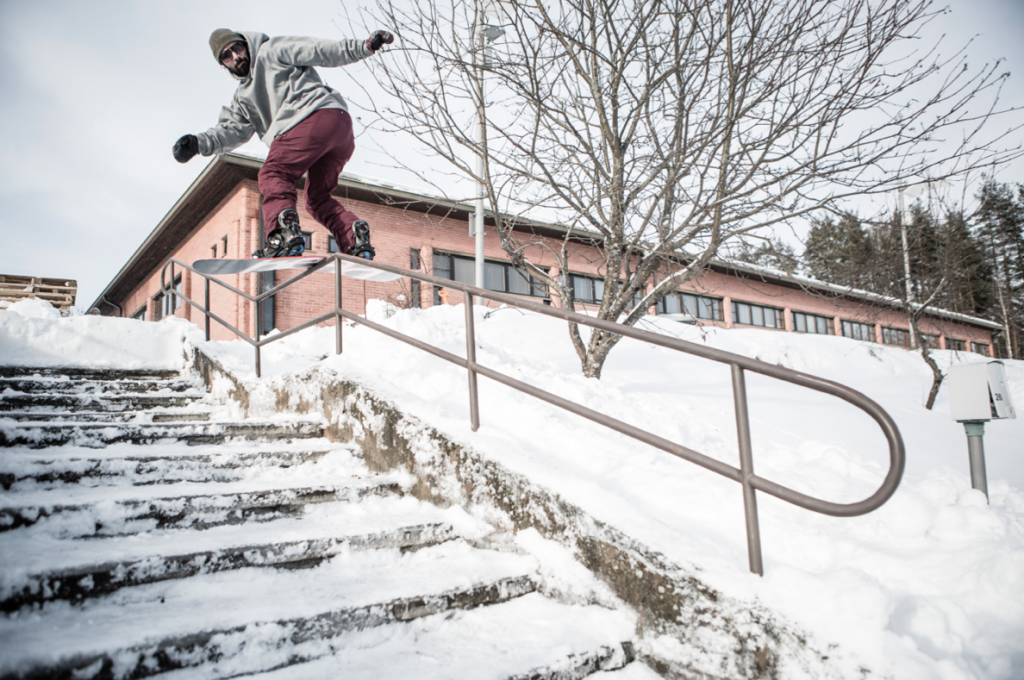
pixel 230 132
pixel 329 53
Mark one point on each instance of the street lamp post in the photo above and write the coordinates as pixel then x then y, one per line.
pixel 484 35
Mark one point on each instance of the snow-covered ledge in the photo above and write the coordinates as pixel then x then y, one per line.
pixel 686 628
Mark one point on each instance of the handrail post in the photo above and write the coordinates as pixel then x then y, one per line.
pixel 474 404
pixel 257 318
pixel 258 306
pixel 206 304
pixel 739 392
pixel 172 307
pixel 337 305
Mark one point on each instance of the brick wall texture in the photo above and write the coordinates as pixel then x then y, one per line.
pixel 232 230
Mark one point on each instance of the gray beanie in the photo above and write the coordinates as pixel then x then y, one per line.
pixel 221 38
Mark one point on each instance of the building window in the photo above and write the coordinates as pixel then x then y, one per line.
pixel 590 289
pixel 757 315
pixel 501 277
pixel 812 323
pixel 932 341
pixel 859 331
pixel 896 336
pixel 979 348
pixel 165 300
pixel 414 285
pixel 213 250
pixel 307 238
pixel 332 245
pixel 140 314
pixel 158 306
pixel 697 306
pixel 956 345
pixel 587 288
pixel 224 247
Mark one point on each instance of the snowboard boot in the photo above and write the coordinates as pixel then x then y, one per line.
pixel 285 240
pixel 362 248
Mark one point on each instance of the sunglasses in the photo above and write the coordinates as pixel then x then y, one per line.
pixel 231 50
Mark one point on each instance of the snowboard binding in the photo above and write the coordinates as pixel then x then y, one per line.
pixel 362 247
pixel 285 240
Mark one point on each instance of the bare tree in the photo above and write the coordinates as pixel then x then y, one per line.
pixel 914 313
pixel 664 129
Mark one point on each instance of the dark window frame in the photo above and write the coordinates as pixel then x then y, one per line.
pixel 900 333
pixel 956 344
pixel 850 324
pixel 801 318
pixel 415 287
pixel 980 348
pixel 140 313
pixel 164 309
pixel 158 306
pixel 446 265
pixel 592 283
pixel 755 311
pixel 698 306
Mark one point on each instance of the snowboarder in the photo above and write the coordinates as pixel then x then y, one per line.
pixel 305 123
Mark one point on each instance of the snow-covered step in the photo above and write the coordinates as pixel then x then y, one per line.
pixel 54 417
pixel 126 488
pixel 59 385
pixel 43 434
pixel 87 373
pixel 529 638
pixel 39 469
pixel 38 567
pixel 58 403
pixel 106 511
pixel 221 618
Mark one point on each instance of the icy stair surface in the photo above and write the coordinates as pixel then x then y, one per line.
pixel 256 549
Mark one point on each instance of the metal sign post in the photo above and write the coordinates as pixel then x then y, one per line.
pixel 978 393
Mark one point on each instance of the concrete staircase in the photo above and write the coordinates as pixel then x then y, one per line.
pixel 141 534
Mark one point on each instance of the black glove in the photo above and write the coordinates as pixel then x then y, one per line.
pixel 185 148
pixel 378 39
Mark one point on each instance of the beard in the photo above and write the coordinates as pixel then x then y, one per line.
pixel 241 68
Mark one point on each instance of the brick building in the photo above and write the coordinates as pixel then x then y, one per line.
pixel 219 216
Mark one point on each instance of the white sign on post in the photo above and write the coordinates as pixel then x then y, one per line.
pixel 979 392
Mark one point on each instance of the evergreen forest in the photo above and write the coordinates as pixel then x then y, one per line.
pixel 967 263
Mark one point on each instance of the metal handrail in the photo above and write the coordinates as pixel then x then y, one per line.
pixel 744 474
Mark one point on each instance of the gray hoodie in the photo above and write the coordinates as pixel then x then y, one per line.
pixel 281 89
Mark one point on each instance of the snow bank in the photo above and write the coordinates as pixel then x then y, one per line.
pixel 929 586
pixel 33 333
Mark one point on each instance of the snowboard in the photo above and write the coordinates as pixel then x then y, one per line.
pixel 223 267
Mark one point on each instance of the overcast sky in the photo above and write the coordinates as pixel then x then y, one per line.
pixel 96 92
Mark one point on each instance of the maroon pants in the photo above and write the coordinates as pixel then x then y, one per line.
pixel 321 145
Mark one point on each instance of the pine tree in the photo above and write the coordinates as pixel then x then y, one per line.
pixel 962 257
pixel 776 255
pixel 839 252
pixel 947 266
pixel 1000 228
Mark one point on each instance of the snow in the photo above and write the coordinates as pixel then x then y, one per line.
pixel 929 586
pixel 33 333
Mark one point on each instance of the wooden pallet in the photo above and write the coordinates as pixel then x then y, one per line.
pixel 58 292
